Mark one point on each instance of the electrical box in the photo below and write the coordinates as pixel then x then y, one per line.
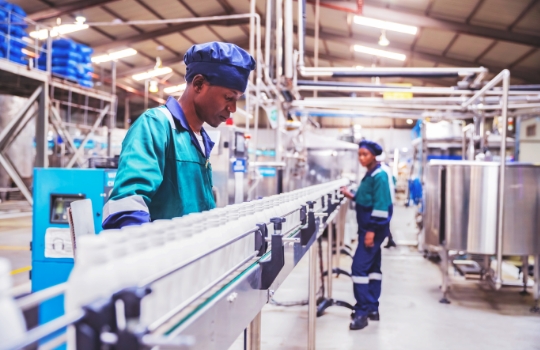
pixel 52 253
pixel 529 140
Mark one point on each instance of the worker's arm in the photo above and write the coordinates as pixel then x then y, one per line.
pixel 140 172
pixel 382 202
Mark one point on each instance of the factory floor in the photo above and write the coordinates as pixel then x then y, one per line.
pixel 15 237
pixel 411 316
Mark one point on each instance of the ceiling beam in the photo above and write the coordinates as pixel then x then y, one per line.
pixel 406 16
pixel 405 49
pixel 525 11
pixel 161 32
pixel 70 7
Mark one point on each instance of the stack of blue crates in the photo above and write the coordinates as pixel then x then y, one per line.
pixel 70 60
pixel 12 23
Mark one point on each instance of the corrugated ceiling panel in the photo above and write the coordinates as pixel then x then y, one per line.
pixel 434 40
pixel 505 53
pixel 455 9
pixel 379 61
pixel 417 62
pixel 338 49
pixel 200 35
pixel 499 13
pixel 531 62
pixel 231 34
pixel 96 14
pixel 468 47
pixel 176 41
pixel 168 9
pixel 205 7
pixel 531 22
pixel 138 61
pixel 333 20
pixel 30 6
pixel 416 5
pixel 133 11
pixel 149 47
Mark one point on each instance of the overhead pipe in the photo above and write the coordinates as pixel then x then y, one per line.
pixel 301 32
pixel 289 35
pixel 370 72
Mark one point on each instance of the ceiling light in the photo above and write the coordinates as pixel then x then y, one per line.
pixel 383 41
pixel 381 53
pixel 173 89
pixel 377 23
pixel 359 67
pixel 409 121
pixel 58 30
pixel 80 19
pixel 153 86
pixel 114 56
pixel 152 73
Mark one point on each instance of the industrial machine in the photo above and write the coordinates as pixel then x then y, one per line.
pixel 462 213
pixel 229 161
pixel 52 253
pixel 228 287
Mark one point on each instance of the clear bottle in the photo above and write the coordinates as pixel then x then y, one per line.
pixel 12 324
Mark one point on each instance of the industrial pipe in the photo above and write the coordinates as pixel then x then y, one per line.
pixel 289 35
pixel 301 32
pixel 389 72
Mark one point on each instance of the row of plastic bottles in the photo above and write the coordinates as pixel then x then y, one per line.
pixel 127 257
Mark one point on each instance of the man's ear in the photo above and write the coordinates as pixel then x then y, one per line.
pixel 198 82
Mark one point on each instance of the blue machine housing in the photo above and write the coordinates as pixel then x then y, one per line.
pixel 51 183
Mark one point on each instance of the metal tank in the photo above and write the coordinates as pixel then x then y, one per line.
pixel 468 206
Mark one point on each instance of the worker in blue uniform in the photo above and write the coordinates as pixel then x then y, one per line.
pixel 373 213
pixel 164 168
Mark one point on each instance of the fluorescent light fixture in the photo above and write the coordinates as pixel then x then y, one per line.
pixel 114 56
pixel 377 23
pixel 176 88
pixel 381 53
pixel 409 121
pixel 152 73
pixel 58 30
pixel 80 19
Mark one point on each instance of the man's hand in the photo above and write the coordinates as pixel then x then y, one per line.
pixel 369 240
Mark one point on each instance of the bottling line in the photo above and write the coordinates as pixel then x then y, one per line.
pixel 230 265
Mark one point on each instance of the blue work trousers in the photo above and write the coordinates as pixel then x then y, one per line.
pixel 366 273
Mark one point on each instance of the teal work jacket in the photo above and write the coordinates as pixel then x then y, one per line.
pixel 162 173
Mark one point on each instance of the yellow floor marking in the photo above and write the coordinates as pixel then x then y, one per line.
pixel 14 247
pixel 21 270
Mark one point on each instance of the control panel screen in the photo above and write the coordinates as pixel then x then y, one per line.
pixel 59 205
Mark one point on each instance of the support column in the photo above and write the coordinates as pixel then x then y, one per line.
pixel 312 296
pixel 42 128
pixel 254 333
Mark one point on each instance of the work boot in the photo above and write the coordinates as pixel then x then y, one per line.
pixel 374 316
pixel 390 244
pixel 358 323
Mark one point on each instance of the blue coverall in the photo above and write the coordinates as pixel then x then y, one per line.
pixel 373 213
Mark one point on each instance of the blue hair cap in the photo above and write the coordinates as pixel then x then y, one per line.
pixel 222 64
pixel 371 146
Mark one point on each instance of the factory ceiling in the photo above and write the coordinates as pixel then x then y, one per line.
pixel 496 34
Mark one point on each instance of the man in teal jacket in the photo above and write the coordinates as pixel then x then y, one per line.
pixel 164 168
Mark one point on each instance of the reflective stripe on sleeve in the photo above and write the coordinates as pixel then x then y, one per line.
pixel 360 279
pixel 130 203
pixel 375 276
pixel 169 116
pixel 379 214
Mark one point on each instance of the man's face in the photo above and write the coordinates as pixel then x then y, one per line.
pixel 365 157
pixel 214 104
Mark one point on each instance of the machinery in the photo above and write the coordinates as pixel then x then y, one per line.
pixel 221 302
pixel 462 214
pixel 52 253
pixel 229 161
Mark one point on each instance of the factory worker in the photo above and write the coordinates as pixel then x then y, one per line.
pixel 373 213
pixel 164 170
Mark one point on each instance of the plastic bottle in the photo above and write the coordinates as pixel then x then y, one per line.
pixel 12 324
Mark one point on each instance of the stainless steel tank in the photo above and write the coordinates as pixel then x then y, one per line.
pixel 433 205
pixel 469 207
